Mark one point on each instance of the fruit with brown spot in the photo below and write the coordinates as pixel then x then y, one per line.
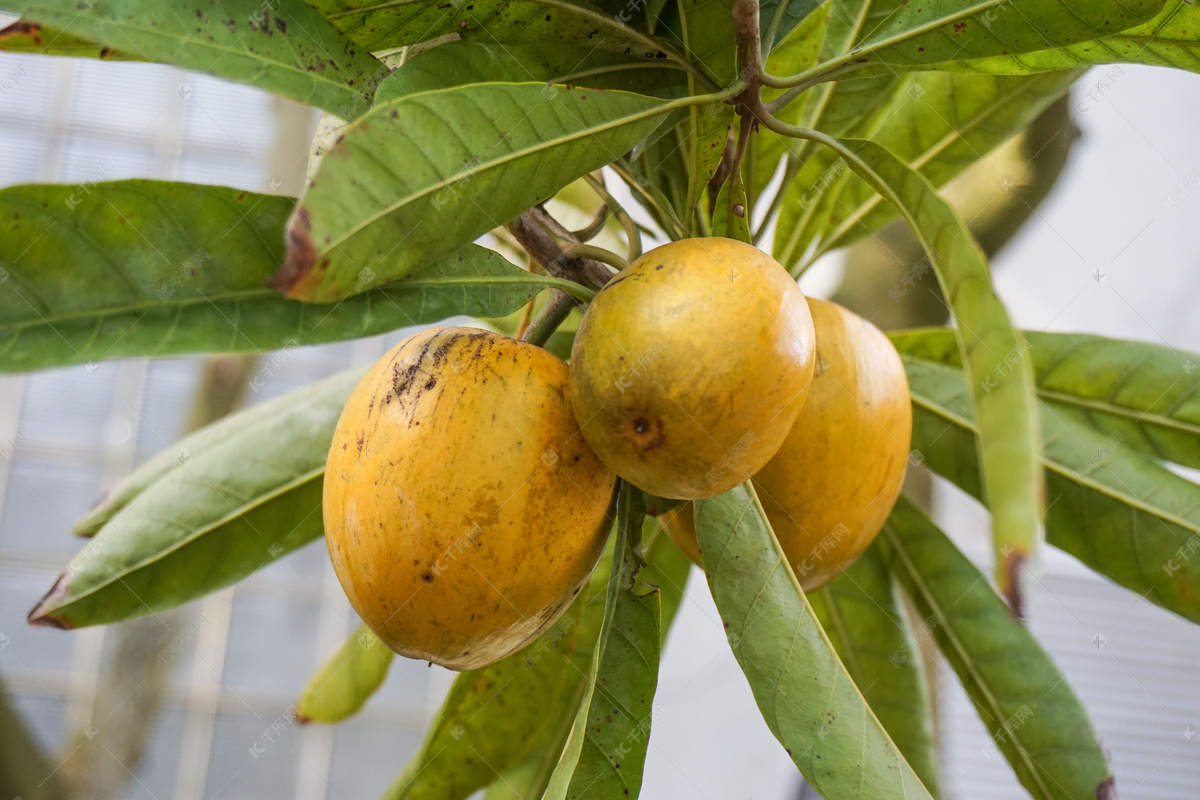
pixel 690 367
pixel 463 510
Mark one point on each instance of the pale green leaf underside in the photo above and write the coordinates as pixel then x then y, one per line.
pixel 284 46
pixel 1020 695
pixel 806 696
pixel 1120 513
pixel 342 685
pixel 422 175
pixel 149 268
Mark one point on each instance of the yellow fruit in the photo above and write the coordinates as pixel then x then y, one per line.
pixel 690 367
pixel 463 511
pixel 830 487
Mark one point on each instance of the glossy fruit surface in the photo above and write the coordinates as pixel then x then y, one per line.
pixel 690 367
pixel 833 482
pixel 463 510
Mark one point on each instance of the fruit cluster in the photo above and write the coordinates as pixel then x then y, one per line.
pixel 470 484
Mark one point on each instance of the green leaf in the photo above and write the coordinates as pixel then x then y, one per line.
pixel 1170 39
pixel 422 175
pixel 667 569
pixel 344 683
pixel 381 26
pixel 606 752
pixel 805 694
pixel 220 514
pixel 726 220
pixel 1022 698
pixel 492 715
pixel 777 19
pixel 147 268
pixel 1145 392
pixel 939 123
pixel 284 46
pixel 995 357
pixel 1118 512
pixel 463 62
pixel 863 617
pixel 35 39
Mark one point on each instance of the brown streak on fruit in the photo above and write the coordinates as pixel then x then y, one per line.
pixel 292 277
pixel 39 615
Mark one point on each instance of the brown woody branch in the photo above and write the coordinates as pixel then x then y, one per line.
pixel 540 245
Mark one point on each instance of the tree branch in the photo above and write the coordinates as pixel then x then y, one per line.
pixel 540 245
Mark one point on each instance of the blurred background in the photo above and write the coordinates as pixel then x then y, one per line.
pixel 1113 249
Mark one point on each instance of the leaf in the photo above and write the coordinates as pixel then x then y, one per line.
pixel 805 694
pixel 939 123
pixel 1170 39
pixel 492 715
pixel 148 268
pixel 35 39
pixel 422 175
pixel 284 46
pixel 778 18
pixel 1022 698
pixel 995 357
pixel 667 569
pixel 463 62
pixel 398 23
pixel 344 683
pixel 1145 392
pixel 919 35
pixel 606 752
pixel 221 514
pixel 1121 514
pixel 726 220
pixel 865 621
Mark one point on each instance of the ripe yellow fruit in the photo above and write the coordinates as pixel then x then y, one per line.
pixel 830 487
pixel 690 367
pixel 463 510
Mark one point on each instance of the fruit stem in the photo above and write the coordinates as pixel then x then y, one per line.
pixel 632 234
pixel 556 310
pixel 577 250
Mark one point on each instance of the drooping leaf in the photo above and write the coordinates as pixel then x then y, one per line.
pixel 35 39
pixel 149 268
pixel 463 62
pixel 1170 39
pixel 1146 393
pixel 731 218
pixel 804 692
pixel 222 513
pixel 1120 513
pixel 422 175
pixel 343 684
pixel 667 568
pixel 284 46
pixel 1023 700
pixel 606 751
pixel 996 359
pixel 382 26
pixel 868 627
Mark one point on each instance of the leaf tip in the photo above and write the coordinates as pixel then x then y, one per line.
pixel 1014 563
pixel 41 615
pixel 292 278
pixel 1107 789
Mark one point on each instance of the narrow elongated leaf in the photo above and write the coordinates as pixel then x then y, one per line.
pixel 344 683
pixel 221 514
pixel 667 568
pixel 492 715
pixel 996 359
pixel 606 751
pixel 1147 393
pixel 868 627
pixel 35 39
pixel 730 217
pixel 1022 698
pixel 804 692
pixel 1123 515
pixel 463 62
pixel 422 175
pixel 381 26
pixel 1171 39
pixel 149 268
pixel 284 46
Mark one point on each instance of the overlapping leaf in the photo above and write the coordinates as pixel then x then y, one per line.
pixel 422 175
pixel 1118 512
pixel 283 46
pixel 233 506
pixel 343 684
pixel 148 268
pixel 806 696
pixel 32 38
pixel 1026 704
pixel 868 627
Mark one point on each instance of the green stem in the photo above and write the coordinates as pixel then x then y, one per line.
pixel 631 229
pixel 555 312
pixel 595 253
